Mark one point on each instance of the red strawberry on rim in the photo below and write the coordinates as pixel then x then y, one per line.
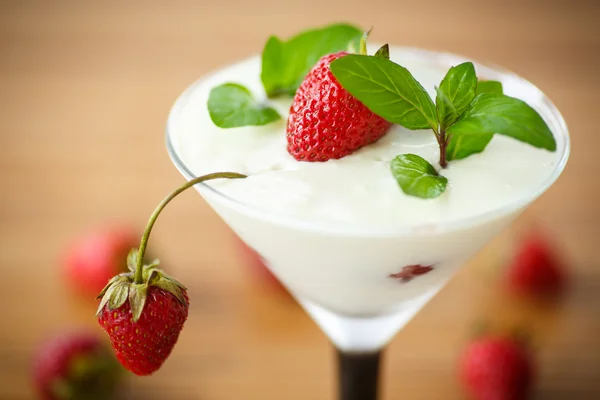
pixel 326 122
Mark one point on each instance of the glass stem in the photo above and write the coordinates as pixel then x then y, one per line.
pixel 358 375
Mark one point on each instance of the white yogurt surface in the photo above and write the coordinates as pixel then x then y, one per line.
pixel 357 190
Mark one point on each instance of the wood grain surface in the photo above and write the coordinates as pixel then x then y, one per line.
pixel 85 88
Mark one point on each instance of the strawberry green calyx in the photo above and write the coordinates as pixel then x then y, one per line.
pixel 123 287
pixel 134 285
pixel 363 43
pixel 382 52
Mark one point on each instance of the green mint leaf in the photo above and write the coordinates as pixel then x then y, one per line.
pixel 497 113
pixel 494 87
pixel 387 89
pixel 231 105
pixel 446 111
pixel 383 52
pixel 285 64
pixel 455 93
pixel 273 72
pixel 463 144
pixel 417 177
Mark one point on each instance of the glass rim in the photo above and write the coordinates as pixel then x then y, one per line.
pixel 490 71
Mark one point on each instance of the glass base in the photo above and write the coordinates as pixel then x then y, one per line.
pixel 358 375
pixel 363 334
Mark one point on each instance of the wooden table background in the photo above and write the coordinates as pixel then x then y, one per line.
pixel 85 88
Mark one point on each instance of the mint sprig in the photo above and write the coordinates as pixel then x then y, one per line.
pixel 286 63
pixel 464 119
pixel 231 105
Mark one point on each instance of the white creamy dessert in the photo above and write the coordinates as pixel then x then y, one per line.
pixel 334 231
pixel 357 190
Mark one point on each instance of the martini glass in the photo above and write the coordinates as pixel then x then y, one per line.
pixel 351 280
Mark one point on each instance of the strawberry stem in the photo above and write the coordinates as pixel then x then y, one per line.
pixel 142 250
pixel 363 43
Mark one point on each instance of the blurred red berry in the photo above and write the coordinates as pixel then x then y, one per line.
pixel 93 259
pixel 76 366
pixel 536 269
pixel 497 368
